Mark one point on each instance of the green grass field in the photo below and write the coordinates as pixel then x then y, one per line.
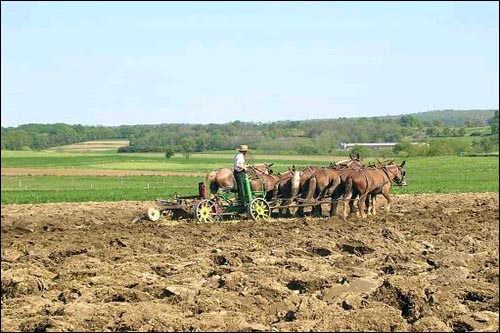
pixel 43 189
pixel 450 174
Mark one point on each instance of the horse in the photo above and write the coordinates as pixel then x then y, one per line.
pixel 339 191
pixel 370 200
pixel 370 182
pixel 320 182
pixel 224 178
pixel 315 182
pixel 354 162
pixel 371 207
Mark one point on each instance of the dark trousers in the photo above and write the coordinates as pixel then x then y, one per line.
pixel 239 176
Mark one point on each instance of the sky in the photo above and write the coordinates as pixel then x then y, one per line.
pixel 130 63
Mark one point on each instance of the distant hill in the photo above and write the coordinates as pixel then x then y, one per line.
pixel 456 117
pixel 305 137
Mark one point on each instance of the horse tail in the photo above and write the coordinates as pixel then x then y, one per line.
pixel 311 187
pixel 210 181
pixel 334 185
pixel 295 184
pixel 348 188
pixel 347 195
pixel 294 187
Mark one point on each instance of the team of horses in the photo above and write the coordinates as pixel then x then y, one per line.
pixel 340 182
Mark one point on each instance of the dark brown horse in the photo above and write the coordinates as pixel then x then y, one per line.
pixel 317 183
pixel 282 188
pixel 224 178
pixel 339 191
pixel 370 182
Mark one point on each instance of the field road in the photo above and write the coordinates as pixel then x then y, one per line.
pixel 90 172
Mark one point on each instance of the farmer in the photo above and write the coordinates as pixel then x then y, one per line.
pixel 239 170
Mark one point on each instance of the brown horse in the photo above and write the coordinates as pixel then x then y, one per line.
pixel 370 182
pixel 318 183
pixel 224 178
pixel 354 162
pixel 339 191
pixel 287 190
pixel 282 188
pixel 350 196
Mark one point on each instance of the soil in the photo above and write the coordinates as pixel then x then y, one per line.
pixel 430 264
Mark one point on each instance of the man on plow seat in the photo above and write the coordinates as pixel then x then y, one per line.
pixel 239 171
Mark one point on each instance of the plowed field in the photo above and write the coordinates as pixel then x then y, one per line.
pixel 431 264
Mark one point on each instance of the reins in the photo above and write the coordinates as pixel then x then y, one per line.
pixel 257 170
pixel 387 171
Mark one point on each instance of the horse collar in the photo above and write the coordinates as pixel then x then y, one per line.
pixel 388 173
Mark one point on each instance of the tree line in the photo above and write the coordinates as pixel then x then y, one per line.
pixel 306 137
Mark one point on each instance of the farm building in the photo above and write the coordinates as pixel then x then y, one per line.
pixel 373 145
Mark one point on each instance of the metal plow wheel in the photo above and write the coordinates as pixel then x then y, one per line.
pixel 259 209
pixel 153 214
pixel 206 211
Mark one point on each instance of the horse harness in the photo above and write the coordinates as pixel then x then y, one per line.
pixel 386 171
pixel 368 183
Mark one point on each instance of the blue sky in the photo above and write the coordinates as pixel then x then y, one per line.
pixel 127 63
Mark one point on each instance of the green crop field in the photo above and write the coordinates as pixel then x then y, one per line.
pixel 449 174
pixel 43 189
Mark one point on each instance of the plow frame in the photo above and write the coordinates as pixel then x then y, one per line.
pixel 226 203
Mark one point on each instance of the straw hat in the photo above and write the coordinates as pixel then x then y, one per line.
pixel 242 148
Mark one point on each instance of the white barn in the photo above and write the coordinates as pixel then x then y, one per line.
pixel 373 145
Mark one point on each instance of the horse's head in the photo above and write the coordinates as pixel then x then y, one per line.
pixel 268 168
pixel 354 162
pixel 263 168
pixel 397 174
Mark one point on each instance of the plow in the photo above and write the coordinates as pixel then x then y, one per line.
pixel 225 204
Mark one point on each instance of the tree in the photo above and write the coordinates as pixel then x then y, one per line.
pixel 447 147
pixel 187 144
pixel 446 131
pixel 313 136
pixel 307 150
pixel 403 148
pixel 361 150
pixel 15 140
pixel 169 152
pixel 487 145
pixel 432 131
pixel 409 121
pixel 494 123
